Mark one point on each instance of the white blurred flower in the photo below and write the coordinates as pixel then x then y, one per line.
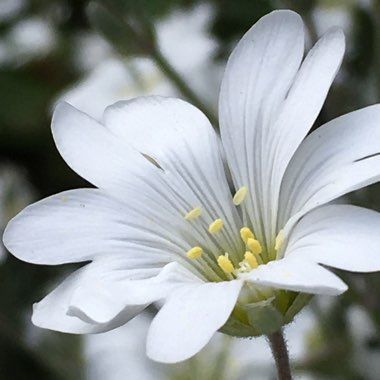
pixel 91 51
pixel 29 39
pixel 163 223
pixel 364 359
pixel 327 17
pixel 10 8
pixel 112 80
pixel 333 13
pixel 120 354
pixel 183 40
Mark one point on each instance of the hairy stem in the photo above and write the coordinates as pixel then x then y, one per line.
pixel 280 355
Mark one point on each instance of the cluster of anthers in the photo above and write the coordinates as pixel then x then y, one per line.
pixel 252 256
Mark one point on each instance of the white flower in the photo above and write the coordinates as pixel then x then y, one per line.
pixel 162 223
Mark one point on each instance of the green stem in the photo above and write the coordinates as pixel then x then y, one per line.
pixel 280 355
pixel 182 86
pixel 141 31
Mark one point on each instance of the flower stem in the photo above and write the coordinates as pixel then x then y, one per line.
pixel 182 86
pixel 280 355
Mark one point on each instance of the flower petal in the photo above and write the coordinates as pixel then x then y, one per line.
pixel 82 224
pixel 94 153
pixel 305 98
pixel 113 159
pixel 340 236
pixel 189 318
pixel 252 95
pixel 301 108
pixel 180 139
pixel 339 157
pixel 297 274
pixel 107 293
pixel 110 287
pixel 261 122
pixel 51 312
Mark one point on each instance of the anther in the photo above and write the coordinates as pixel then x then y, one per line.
pixel 194 253
pixel 251 260
pixel 254 246
pixel 280 238
pixel 193 214
pixel 240 195
pixel 225 263
pixel 246 234
pixel 215 226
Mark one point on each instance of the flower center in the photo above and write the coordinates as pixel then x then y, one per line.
pixel 223 267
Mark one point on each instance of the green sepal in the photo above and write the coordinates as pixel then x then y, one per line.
pixel 264 317
pixel 301 300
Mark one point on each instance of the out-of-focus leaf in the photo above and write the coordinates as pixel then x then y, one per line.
pixel 21 363
pixel 127 33
pixel 362 47
pixel 301 6
pixel 23 100
pixel 234 18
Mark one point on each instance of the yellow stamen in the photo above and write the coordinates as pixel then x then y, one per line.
pixel 225 263
pixel 280 239
pixel 240 195
pixel 251 260
pixel 254 246
pixel 194 213
pixel 246 234
pixel 194 253
pixel 215 226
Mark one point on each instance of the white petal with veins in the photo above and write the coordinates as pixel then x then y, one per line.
pixel 189 319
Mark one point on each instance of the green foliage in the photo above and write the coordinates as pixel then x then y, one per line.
pixel 233 19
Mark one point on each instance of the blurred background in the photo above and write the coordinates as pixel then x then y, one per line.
pixel 94 53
